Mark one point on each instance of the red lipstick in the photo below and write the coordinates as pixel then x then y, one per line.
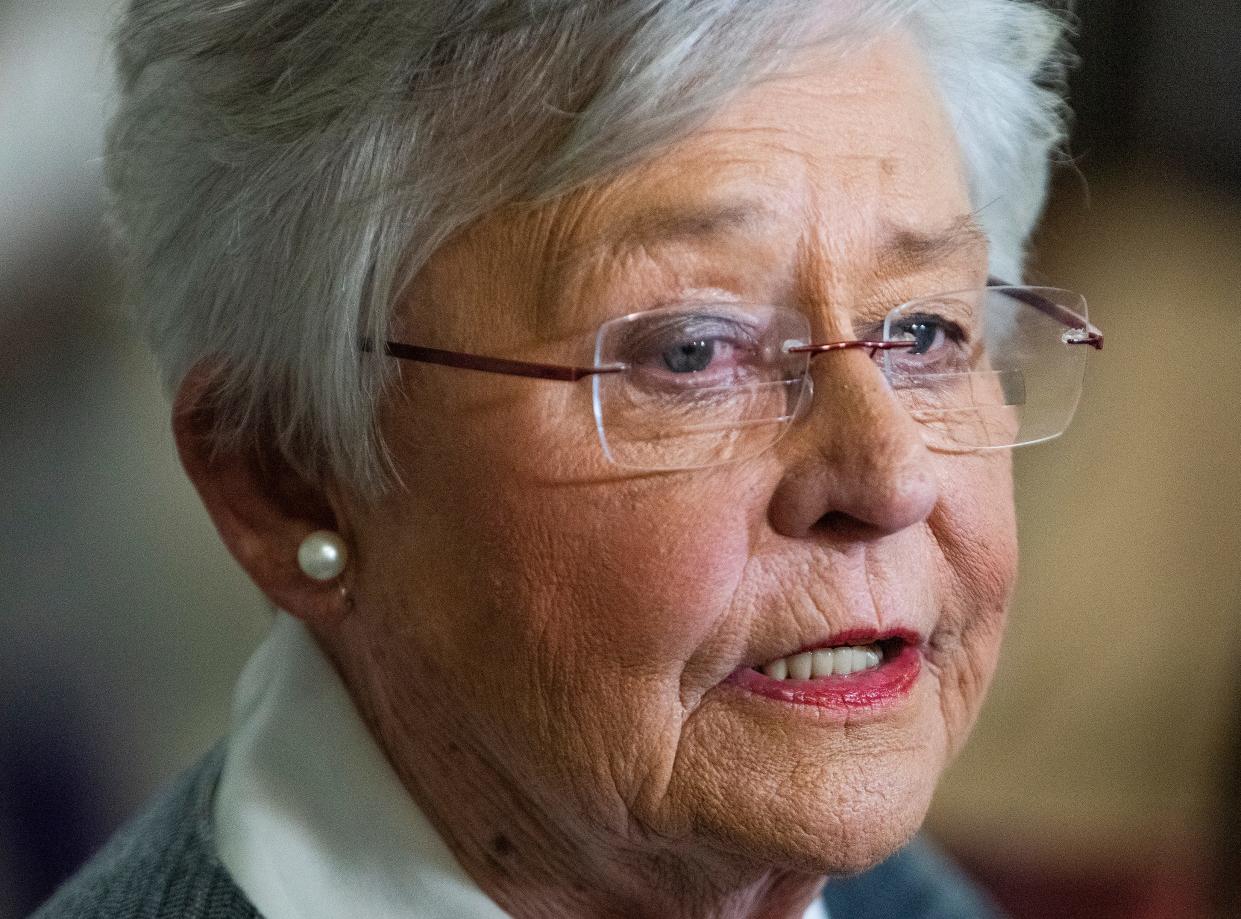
pixel 878 687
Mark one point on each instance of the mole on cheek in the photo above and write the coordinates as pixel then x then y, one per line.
pixel 502 845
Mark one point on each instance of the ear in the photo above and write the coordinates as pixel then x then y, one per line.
pixel 261 507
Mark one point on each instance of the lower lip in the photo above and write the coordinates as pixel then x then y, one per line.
pixel 888 683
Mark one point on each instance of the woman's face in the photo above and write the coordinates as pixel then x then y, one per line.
pixel 579 628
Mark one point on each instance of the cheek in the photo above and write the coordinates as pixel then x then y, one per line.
pixel 567 603
pixel 975 529
pixel 543 540
pixel 633 577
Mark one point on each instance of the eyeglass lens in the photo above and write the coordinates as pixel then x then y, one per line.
pixel 710 383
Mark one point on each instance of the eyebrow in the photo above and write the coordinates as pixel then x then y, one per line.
pixel 913 249
pixel 908 248
pixel 671 224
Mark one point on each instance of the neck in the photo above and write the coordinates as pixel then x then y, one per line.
pixel 535 859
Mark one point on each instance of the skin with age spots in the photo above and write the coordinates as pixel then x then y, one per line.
pixel 540 640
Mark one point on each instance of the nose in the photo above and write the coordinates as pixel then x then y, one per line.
pixel 858 467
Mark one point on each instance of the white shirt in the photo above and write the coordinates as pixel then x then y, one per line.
pixel 311 820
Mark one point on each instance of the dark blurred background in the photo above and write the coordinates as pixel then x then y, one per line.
pixel 1104 779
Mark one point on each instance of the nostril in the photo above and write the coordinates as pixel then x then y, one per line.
pixel 846 527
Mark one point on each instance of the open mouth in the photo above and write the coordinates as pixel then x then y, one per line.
pixel 859 670
pixel 841 660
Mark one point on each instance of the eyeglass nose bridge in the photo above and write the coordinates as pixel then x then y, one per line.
pixel 874 347
pixel 814 350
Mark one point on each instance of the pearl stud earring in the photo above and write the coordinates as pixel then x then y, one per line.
pixel 322 555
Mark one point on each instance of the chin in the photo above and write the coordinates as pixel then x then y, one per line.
pixel 843 832
pixel 834 801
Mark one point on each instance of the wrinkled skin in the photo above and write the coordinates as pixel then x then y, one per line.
pixel 539 638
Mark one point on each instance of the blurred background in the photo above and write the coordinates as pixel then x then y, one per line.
pixel 1104 778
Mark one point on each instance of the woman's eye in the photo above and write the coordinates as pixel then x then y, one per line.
pixel 688 345
pixel 925 336
pixel 929 334
pixel 691 356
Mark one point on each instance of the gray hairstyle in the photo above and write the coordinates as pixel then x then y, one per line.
pixel 281 169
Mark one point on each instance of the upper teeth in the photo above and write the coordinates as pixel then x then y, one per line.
pixel 829 661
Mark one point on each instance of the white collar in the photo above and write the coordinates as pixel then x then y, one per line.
pixel 311 820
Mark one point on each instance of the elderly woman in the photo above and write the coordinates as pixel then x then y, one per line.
pixel 578 380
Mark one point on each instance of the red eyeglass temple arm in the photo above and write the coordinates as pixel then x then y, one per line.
pixel 1066 317
pixel 491 364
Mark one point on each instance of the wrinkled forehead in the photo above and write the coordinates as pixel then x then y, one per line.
pixel 848 160
pixel 863 135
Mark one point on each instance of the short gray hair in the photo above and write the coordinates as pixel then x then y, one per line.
pixel 281 169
